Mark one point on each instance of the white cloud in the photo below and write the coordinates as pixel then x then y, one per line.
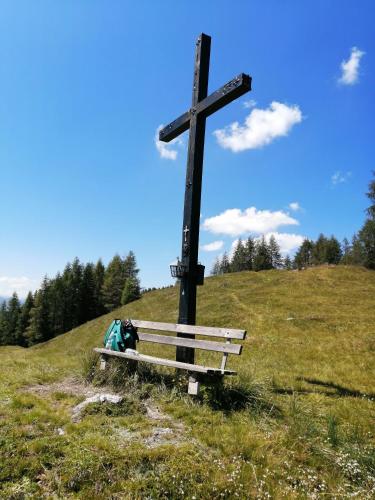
pixel 295 206
pixel 287 242
pixel 350 68
pixel 165 148
pixel 249 104
pixel 261 127
pixel 340 177
pixel 212 247
pixel 22 285
pixel 234 222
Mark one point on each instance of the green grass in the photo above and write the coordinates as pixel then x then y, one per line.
pixel 297 421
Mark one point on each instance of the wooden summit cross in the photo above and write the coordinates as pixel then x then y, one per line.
pixel 195 121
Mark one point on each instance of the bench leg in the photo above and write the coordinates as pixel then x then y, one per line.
pixel 193 387
pixel 103 362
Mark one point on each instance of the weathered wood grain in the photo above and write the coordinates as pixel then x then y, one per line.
pixel 166 362
pixel 208 331
pixel 206 345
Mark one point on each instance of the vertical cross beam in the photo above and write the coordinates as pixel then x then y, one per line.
pixel 192 205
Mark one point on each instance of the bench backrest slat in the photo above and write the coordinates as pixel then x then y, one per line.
pixel 207 345
pixel 228 333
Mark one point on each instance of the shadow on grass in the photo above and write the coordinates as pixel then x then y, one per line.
pixel 340 390
pixel 233 397
pixel 336 390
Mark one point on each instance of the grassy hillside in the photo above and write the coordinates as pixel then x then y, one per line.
pixel 297 421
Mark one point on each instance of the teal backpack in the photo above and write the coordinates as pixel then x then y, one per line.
pixel 121 335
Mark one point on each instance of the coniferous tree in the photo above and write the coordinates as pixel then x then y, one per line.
pixel 262 259
pixel 57 298
pixel 67 300
pixel 4 326
pixel 238 262
pixel 77 313
pixel 225 264
pixel 367 240
pixel 346 252
pixel 275 254
pixel 39 329
pixel 130 266
pixel 249 254
pixel 14 309
pixel 114 282
pixel 89 296
pixel 99 281
pixel 304 257
pixel 215 271
pixel 333 251
pixel 131 291
pixel 319 252
pixel 24 319
pixel 288 264
pixel 371 196
pixel 357 252
pixel 366 236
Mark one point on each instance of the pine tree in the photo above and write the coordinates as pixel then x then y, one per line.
pixel 24 319
pixel 131 291
pixel 77 313
pixel 39 329
pixel 262 259
pixel 238 262
pixel 366 236
pixel 274 249
pixel 4 325
pixel 358 254
pixel 333 251
pixel 67 300
pixel 288 264
pixel 114 282
pixel 130 266
pixel 225 264
pixel 216 267
pixel 249 254
pixel 88 293
pixel 371 196
pixel 367 239
pixel 303 257
pixel 99 280
pixel 346 252
pixel 14 309
pixel 57 298
pixel 319 252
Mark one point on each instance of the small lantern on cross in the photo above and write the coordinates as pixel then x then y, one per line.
pixel 178 270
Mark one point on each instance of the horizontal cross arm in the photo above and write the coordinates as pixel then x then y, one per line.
pixel 175 128
pixel 215 101
pixel 226 94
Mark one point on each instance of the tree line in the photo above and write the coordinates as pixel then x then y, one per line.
pixel 359 251
pixel 80 293
pixel 250 255
pixel 258 254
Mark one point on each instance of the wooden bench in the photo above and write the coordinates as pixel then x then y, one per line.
pixel 194 370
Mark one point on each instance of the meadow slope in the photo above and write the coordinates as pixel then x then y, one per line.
pixel 297 421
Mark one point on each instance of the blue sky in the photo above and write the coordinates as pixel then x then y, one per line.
pixel 84 86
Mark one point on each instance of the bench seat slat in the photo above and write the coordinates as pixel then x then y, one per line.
pixel 229 333
pixel 166 362
pixel 206 345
